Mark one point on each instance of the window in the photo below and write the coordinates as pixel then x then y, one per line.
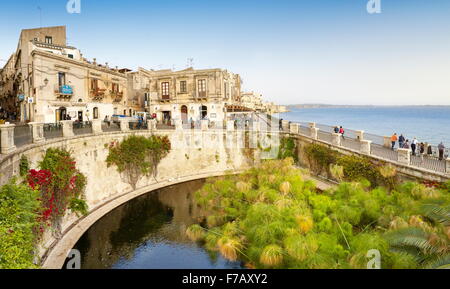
pixel 165 90
pixel 115 88
pixel 183 86
pixel 226 90
pixel 70 56
pixel 202 88
pixel 94 84
pixel 95 112
pixel 61 79
pixel 48 39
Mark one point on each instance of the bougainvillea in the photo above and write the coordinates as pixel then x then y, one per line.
pixel 61 187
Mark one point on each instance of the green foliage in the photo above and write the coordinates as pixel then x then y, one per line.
pixel 357 168
pixel 288 149
pixel 19 210
pixel 320 157
pixel 67 184
pixel 270 217
pixel 24 166
pixel 427 242
pixel 138 156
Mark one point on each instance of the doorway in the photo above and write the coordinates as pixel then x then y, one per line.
pixel 61 114
pixel 204 112
pixel 184 114
pixel 80 116
pixel 167 117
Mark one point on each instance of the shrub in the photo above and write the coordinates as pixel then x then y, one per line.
pixel 138 156
pixel 19 211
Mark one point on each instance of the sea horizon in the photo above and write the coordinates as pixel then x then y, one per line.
pixel 427 123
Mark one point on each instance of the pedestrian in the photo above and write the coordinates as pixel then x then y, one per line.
pixel 336 129
pixel 406 144
pixel 429 150
pixel 342 132
pixel 414 146
pixel 107 121
pixel 422 151
pixel 441 149
pixel 394 140
pixel 281 124
pixel 401 141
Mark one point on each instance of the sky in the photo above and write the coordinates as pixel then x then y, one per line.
pixel 291 51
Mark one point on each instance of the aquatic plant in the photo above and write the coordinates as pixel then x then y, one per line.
pixel 271 256
pixel 270 217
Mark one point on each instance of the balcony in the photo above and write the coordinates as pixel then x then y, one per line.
pixel 117 96
pixel 64 91
pixel 164 98
pixel 98 93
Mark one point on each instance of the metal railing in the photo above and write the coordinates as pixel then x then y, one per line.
pixel 134 125
pixel 350 141
pixel 23 135
pixel 110 126
pixel 52 130
pixel 82 127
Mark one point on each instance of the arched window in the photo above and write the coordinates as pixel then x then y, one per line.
pixel 96 116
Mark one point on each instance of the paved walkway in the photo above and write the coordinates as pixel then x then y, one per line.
pixel 426 162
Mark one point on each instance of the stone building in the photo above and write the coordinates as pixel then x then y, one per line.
pixel 187 94
pixel 52 80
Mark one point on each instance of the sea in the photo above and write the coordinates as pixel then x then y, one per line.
pixel 427 123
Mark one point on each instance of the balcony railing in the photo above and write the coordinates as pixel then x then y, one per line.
pixel 116 96
pixel 64 91
pixel 97 93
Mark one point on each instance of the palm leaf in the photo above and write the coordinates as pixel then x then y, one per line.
pixel 442 262
pixel 436 212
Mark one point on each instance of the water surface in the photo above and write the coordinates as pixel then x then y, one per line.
pixel 149 233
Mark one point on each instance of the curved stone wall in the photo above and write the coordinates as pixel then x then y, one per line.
pixel 194 155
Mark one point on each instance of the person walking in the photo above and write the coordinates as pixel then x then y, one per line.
pixel 414 146
pixel 401 141
pixel 394 140
pixel 406 144
pixel 336 129
pixel 342 132
pixel 422 151
pixel 441 149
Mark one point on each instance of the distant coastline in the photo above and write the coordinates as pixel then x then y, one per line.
pixel 308 106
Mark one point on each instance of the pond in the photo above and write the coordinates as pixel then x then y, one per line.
pixel 149 233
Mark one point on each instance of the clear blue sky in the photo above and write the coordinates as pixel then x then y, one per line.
pixel 298 51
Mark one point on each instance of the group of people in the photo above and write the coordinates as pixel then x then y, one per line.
pixel 340 130
pixel 416 147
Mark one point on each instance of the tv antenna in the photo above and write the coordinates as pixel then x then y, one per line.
pixel 40 16
pixel 190 62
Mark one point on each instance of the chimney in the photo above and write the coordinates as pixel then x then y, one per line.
pixel 95 61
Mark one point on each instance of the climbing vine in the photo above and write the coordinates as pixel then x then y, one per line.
pixel 61 187
pixel 288 149
pixel 138 156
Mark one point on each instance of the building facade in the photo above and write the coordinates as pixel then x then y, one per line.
pixel 46 80
pixel 51 81
pixel 187 95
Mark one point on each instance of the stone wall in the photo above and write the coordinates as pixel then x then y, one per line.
pixel 195 155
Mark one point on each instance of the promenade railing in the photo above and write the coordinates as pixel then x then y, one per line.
pixel 17 136
pixel 22 135
pixel 82 127
pixel 53 130
pixel 380 147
